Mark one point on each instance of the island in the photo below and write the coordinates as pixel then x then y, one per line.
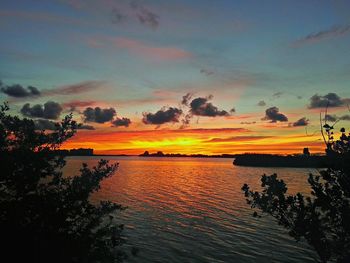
pixel 272 160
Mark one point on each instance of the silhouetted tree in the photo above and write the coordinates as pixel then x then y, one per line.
pixel 45 216
pixel 323 218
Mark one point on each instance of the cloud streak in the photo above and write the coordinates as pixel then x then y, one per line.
pixel 74 104
pixel 333 32
pixel 78 88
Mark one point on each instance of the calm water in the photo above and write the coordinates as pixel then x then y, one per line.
pixel 192 210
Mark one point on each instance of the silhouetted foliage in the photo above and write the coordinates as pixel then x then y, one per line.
pixel 323 218
pixel 45 216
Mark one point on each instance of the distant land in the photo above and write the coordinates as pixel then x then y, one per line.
pixel 161 154
pixel 271 160
pixel 304 160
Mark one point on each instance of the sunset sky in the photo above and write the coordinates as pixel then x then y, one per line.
pixel 184 76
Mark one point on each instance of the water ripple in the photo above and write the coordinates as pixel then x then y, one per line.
pixel 192 210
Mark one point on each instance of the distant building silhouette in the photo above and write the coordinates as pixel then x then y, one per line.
pixel 76 152
pixel 306 151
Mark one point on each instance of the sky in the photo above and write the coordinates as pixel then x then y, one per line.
pixel 184 76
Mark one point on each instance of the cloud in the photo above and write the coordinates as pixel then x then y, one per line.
pixel 301 122
pixel 78 88
pixel 148 51
pixel 201 107
pixel 99 115
pixel 72 105
pixel 261 103
pixel 44 124
pixel 162 116
pixel 276 95
pixel 328 100
pixel 207 72
pixel 144 15
pixel 248 122
pixel 273 115
pixel 19 91
pixel 239 139
pixel 85 127
pixel 118 16
pixel 345 117
pixel 333 32
pixel 186 99
pixel 334 118
pixel 50 110
pixel 121 122
pixel 331 118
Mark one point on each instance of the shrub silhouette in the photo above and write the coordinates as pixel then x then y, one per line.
pixel 323 218
pixel 44 216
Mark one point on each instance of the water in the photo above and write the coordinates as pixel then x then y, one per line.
pixel 193 210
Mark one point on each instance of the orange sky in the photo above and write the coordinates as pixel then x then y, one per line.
pixel 193 141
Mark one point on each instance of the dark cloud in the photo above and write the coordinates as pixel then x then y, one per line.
pixel 301 122
pixel 201 107
pixel 331 118
pixel 43 124
pixel 261 103
pixel 162 116
pixel 233 110
pixel 276 95
pixel 207 72
pixel 186 99
pixel 328 100
pixel 50 110
pixel 144 15
pixel 78 88
pixel 121 122
pixel 19 91
pixel 99 115
pixel 334 118
pixel 118 16
pixel 335 31
pixel 345 117
pixel 85 127
pixel 274 115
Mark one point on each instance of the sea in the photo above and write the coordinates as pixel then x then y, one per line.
pixel 193 210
